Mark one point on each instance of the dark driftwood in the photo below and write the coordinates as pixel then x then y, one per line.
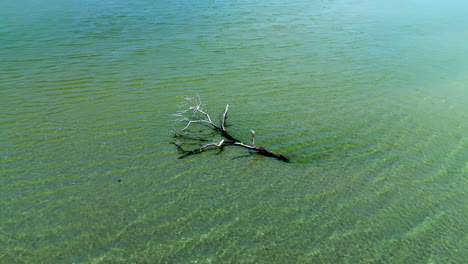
pixel 194 114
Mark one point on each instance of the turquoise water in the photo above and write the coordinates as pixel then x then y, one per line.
pixel 367 98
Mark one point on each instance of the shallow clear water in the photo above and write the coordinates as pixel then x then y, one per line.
pixel 367 98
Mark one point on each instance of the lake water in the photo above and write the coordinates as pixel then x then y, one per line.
pixel 367 98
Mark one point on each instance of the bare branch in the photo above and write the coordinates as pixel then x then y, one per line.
pixel 218 144
pixel 223 118
pixel 195 114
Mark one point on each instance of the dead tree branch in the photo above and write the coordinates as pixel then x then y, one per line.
pixel 193 113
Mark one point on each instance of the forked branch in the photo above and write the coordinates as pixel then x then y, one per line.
pixel 193 113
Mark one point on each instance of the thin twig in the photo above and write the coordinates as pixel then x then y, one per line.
pixel 253 137
pixel 223 118
pixel 218 144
